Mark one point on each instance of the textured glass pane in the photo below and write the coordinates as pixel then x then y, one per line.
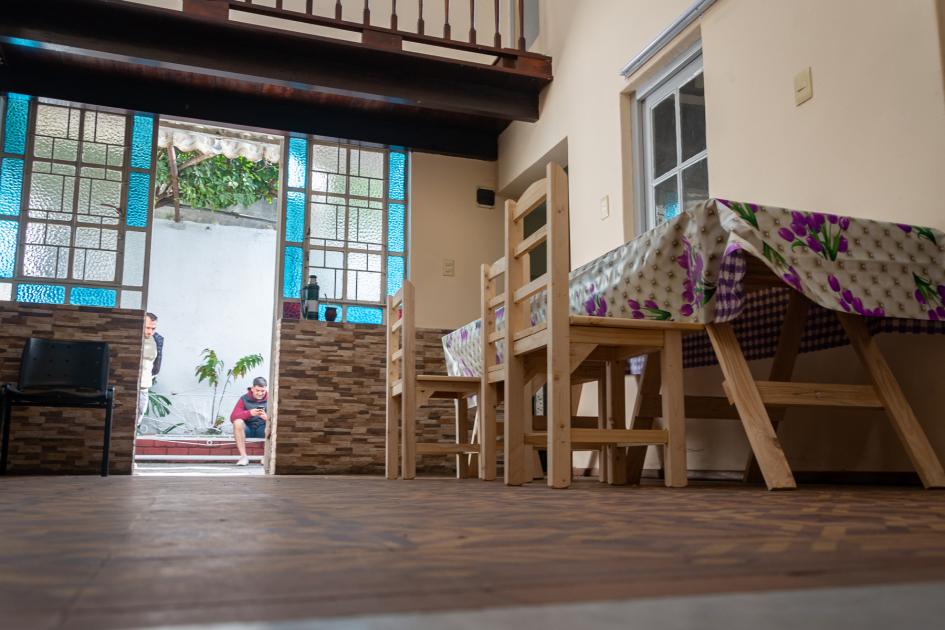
pixel 139 191
pixel 67 150
pixel 141 141
pixel 14 134
pixel 365 225
pixel 328 221
pixel 42 261
pixel 52 120
pixel 109 128
pixel 397 176
pixel 116 156
pixel 46 192
pixel 326 158
pixel 40 293
pixel 58 234
pixel 43 147
pixel 692 117
pixel 11 186
pixel 664 136
pixel 88 237
pixel 292 273
pixel 6 291
pixel 295 216
pixel 337 184
pixel 85 296
pixel 8 240
pixel 395 227
pixel 133 271
pixel 667 200
pixel 395 274
pixel 359 186
pixel 369 287
pixel 357 261
pixel 330 282
pixel 695 184
pixel 364 315
pixel 297 162
pixel 323 307
pixel 131 299
pixel 371 164
pixel 94 153
pixel 100 265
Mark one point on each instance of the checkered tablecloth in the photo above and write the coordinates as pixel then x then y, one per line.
pixel 692 269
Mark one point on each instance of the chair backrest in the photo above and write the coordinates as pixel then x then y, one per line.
pixel 489 305
pixel 401 331
pixel 553 192
pixel 69 365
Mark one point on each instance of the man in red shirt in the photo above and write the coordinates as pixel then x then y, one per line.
pixel 250 416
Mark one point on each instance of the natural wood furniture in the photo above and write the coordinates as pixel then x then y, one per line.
pixel 407 390
pixel 560 345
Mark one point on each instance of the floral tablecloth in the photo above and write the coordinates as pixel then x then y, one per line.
pixel 691 269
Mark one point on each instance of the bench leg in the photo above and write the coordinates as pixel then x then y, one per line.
pixel 616 419
pixel 107 438
pixel 6 417
pixel 462 437
pixel 674 413
pixel 392 443
pixel 649 384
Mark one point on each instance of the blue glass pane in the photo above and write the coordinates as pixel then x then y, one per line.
pixel 139 192
pixel 298 162
pixel 294 216
pixel 292 273
pixel 398 166
pixel 395 274
pixel 142 135
pixel 11 186
pixel 8 232
pixel 40 293
pixel 14 131
pixel 321 311
pixel 365 315
pixel 84 296
pixel 395 227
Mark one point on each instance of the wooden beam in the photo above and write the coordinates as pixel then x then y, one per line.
pixel 701 407
pixel 444 448
pixel 782 394
pixel 900 414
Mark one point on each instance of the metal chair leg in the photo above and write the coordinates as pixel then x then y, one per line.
pixel 5 420
pixel 106 443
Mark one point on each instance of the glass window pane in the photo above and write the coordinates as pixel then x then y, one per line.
pixel 133 271
pixel 692 117
pixel 667 200
pixel 364 315
pixel 46 192
pixel 395 274
pixel 40 293
pixel 139 192
pixel 14 134
pixel 298 147
pixel 292 273
pixel 8 239
pixel 295 216
pixel 6 291
pixel 42 261
pixel 85 296
pixel 397 176
pixel 664 136
pixel 396 216
pixel 142 141
pixel 11 185
pixel 131 299
pixel 695 184
pixel 99 265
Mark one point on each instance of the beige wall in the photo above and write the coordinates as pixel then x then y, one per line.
pixel 446 223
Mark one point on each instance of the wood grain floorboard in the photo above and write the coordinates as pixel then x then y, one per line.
pixel 84 552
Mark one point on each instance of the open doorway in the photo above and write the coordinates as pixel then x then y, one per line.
pixel 211 271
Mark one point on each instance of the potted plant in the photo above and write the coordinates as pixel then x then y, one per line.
pixel 214 372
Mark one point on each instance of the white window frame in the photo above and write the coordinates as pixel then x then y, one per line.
pixel 678 73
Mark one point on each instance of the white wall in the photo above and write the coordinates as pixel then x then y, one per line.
pixel 210 286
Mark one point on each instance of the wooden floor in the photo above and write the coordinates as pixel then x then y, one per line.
pixel 82 552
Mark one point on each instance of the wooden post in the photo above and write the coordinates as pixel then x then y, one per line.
pixel 744 394
pixel 521 24
pixel 789 343
pixel 393 15
pixel 674 413
pixel 367 12
pixel 604 467
pixel 487 390
pixel 446 19
pixel 337 9
pixel 558 403
pixel 175 179
pixel 472 21
pixel 616 401
pixel 649 385
pixel 514 447
pixel 392 423
pixel 462 436
pixel 497 38
pixel 900 414
pixel 409 396
pixel 420 19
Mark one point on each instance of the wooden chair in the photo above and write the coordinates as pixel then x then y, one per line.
pixel 559 347
pixel 407 390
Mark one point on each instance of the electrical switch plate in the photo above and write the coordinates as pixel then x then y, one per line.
pixel 604 207
pixel 803 87
pixel 449 267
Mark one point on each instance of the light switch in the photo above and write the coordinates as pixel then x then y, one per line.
pixel 449 267
pixel 803 87
pixel 604 207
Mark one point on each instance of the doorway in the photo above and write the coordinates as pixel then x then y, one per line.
pixel 212 277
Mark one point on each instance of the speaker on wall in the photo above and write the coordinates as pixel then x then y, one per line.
pixel 485 198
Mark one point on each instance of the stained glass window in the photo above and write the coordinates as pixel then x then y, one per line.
pixel 356 218
pixel 76 184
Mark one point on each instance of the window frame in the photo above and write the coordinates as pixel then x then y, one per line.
pixel 677 73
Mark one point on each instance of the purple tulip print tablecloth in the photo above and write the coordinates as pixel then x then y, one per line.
pixel 692 268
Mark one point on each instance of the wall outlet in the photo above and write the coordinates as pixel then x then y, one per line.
pixel 604 207
pixel 803 87
pixel 449 267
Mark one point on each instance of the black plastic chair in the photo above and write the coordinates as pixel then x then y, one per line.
pixel 60 374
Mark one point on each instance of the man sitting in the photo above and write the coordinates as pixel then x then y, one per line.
pixel 250 416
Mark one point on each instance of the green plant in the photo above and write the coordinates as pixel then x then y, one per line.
pixel 214 372
pixel 170 428
pixel 216 182
pixel 158 406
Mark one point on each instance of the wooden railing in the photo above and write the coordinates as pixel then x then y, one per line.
pixel 515 57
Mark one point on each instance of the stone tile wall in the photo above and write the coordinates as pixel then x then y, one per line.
pixel 69 441
pixel 332 404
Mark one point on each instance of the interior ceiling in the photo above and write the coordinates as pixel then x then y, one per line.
pixel 118 54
